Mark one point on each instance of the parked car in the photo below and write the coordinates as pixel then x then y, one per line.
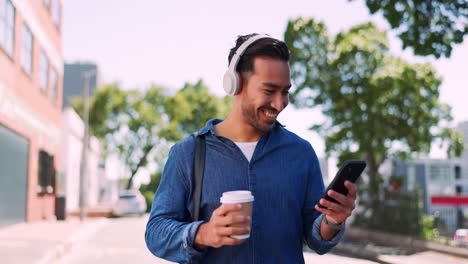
pixel 461 237
pixel 129 202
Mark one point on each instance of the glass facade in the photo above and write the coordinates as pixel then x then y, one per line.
pixel 441 180
pixel 56 12
pixel 44 71
pixel 54 83
pixel 7 26
pixel 14 159
pixel 27 49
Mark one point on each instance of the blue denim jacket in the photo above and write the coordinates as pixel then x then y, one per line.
pixel 285 179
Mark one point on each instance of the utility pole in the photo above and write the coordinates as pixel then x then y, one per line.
pixel 84 150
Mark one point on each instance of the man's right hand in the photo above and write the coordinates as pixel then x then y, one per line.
pixel 216 233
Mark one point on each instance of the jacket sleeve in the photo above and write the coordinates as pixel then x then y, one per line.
pixel 168 234
pixel 312 218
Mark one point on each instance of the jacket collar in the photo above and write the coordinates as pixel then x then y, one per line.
pixel 209 126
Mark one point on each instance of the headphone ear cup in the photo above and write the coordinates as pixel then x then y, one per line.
pixel 230 83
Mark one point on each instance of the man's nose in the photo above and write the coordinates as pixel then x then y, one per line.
pixel 279 102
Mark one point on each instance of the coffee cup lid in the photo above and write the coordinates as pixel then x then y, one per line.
pixel 237 197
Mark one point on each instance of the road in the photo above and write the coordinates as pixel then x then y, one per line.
pixel 121 241
pixel 428 257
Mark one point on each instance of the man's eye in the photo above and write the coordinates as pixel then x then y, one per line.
pixel 269 91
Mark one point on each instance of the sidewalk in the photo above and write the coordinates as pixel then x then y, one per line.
pixel 42 242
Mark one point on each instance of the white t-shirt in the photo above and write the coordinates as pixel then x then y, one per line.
pixel 247 148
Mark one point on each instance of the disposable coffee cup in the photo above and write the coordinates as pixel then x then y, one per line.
pixel 239 197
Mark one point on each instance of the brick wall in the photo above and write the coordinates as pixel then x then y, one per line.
pixel 24 107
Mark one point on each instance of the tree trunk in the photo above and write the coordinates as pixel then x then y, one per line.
pixel 142 161
pixel 374 190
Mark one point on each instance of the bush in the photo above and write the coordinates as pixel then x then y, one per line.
pixel 398 212
pixel 429 231
pixel 148 190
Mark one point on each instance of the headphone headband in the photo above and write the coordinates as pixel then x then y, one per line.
pixel 230 80
pixel 235 59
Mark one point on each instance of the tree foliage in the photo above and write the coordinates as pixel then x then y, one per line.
pixel 147 190
pixel 192 106
pixel 134 123
pixel 430 27
pixel 187 111
pixel 377 105
pixel 129 122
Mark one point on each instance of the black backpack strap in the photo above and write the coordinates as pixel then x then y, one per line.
pixel 199 168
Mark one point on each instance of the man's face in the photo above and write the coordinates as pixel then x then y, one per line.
pixel 266 93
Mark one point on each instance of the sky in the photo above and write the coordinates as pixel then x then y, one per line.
pixel 168 43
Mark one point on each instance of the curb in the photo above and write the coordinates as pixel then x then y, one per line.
pixel 410 242
pixel 64 247
pixel 353 251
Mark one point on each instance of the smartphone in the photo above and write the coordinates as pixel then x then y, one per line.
pixel 351 170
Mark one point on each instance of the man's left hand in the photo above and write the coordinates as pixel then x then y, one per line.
pixel 338 213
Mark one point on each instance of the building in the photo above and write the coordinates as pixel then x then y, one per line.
pixel 73 80
pixel 435 178
pixel 101 175
pixel 71 151
pixel 31 70
pixel 463 180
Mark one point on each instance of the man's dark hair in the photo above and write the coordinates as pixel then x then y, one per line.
pixel 267 47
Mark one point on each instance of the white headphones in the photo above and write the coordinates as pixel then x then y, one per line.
pixel 231 80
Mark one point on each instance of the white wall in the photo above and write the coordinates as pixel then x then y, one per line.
pixel 71 147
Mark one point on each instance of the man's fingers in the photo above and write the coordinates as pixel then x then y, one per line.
pixel 334 208
pixel 229 241
pixel 338 217
pixel 233 219
pixel 226 208
pixel 325 211
pixel 352 189
pixel 345 201
pixel 340 198
pixel 343 207
pixel 231 230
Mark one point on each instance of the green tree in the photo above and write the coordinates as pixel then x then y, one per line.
pixel 192 106
pixel 377 105
pixel 430 27
pixel 104 105
pixel 147 190
pixel 130 122
pixel 187 112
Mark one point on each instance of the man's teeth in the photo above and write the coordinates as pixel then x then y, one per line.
pixel 270 114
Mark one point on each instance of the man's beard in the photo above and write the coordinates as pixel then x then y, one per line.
pixel 250 115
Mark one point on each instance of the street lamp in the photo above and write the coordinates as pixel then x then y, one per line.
pixel 84 150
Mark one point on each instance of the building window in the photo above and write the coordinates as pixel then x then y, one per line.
pixel 56 12
pixel 7 26
pixel 47 3
pixel 26 50
pixel 54 83
pixel 44 71
pixel 47 173
pixel 440 180
pixel 457 172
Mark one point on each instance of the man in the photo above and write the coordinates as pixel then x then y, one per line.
pixel 249 150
